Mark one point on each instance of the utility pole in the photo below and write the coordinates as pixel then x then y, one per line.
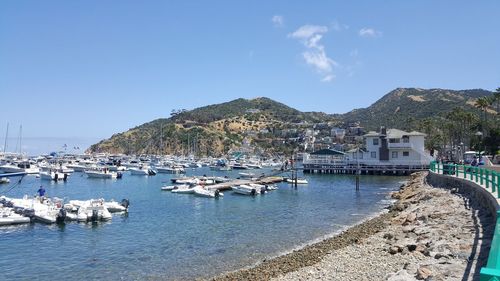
pixel 358 172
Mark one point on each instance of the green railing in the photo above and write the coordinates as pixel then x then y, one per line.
pixel 491 181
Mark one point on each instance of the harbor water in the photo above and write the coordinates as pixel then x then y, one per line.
pixel 167 236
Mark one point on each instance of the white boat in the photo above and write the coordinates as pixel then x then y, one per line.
pixel 102 174
pixel 253 166
pixel 246 175
pixel 203 192
pixel 44 210
pixel 244 190
pixel 4 180
pixel 184 190
pixel 77 167
pixel 114 207
pixel 93 210
pixel 138 172
pixel 142 171
pixel 9 217
pixel 170 170
pixel 239 166
pixel 53 176
pixel 299 181
pixel 172 187
pixel 9 168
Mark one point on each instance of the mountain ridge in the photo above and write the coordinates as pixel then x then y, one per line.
pixel 218 128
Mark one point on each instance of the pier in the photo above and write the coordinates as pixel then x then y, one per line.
pixel 400 170
pixel 228 185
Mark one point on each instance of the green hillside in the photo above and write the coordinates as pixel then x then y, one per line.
pixel 215 129
pixel 402 107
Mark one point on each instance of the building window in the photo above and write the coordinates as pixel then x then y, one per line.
pixel 375 141
pixel 374 154
pixel 406 139
pixel 393 140
pixel 406 153
pixel 394 154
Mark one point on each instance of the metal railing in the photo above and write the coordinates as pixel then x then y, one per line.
pixel 491 181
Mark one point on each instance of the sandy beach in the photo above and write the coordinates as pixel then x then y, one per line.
pixel 428 234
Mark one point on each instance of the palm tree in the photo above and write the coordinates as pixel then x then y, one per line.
pixel 483 103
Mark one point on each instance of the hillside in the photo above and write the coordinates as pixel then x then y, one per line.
pixel 401 107
pixel 272 126
pixel 209 130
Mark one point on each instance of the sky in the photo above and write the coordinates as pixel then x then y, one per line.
pixel 95 68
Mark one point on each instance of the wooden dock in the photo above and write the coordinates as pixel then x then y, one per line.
pixel 228 185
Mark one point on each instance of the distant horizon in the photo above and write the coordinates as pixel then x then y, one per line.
pixel 70 68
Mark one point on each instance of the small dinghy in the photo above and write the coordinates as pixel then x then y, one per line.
pixel 244 190
pixel 299 181
pixel 172 187
pixel 203 192
pixel 184 190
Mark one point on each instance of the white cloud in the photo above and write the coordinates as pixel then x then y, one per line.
pixel 278 21
pixel 369 32
pixel 337 26
pixel 306 31
pixel 328 78
pixel 315 55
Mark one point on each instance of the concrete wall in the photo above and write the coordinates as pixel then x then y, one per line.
pixel 465 187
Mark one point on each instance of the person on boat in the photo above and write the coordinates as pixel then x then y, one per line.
pixel 41 192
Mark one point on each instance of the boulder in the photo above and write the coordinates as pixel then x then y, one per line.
pixel 423 273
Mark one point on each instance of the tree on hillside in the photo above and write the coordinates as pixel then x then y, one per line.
pixel 483 103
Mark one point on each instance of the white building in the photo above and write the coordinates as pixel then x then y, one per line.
pixel 393 147
pixel 394 151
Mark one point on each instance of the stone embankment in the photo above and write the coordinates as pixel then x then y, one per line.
pixel 428 234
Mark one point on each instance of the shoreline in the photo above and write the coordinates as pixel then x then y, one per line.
pixel 407 250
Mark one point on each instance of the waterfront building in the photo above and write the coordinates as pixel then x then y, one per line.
pixel 388 151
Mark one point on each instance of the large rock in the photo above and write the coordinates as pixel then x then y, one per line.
pixel 423 273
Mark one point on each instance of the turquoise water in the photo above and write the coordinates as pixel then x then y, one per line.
pixel 176 236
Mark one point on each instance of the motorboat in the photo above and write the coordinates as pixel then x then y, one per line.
pixel 246 175
pixel 93 210
pixel 40 208
pixel 239 166
pixel 172 187
pixel 138 172
pixel 77 167
pixel 170 170
pixel 9 217
pixel 102 174
pixel 203 192
pixel 244 190
pixel 4 180
pixel 9 168
pixel 299 181
pixel 53 176
pixel 115 207
pixel 184 190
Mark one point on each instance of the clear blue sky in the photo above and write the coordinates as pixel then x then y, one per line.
pixel 95 68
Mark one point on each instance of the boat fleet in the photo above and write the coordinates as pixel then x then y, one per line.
pixel 54 210
pixel 203 187
pixel 103 166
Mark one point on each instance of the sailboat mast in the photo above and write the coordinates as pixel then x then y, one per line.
pixel 21 140
pixel 6 136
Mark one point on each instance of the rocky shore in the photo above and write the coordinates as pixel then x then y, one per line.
pixel 428 234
